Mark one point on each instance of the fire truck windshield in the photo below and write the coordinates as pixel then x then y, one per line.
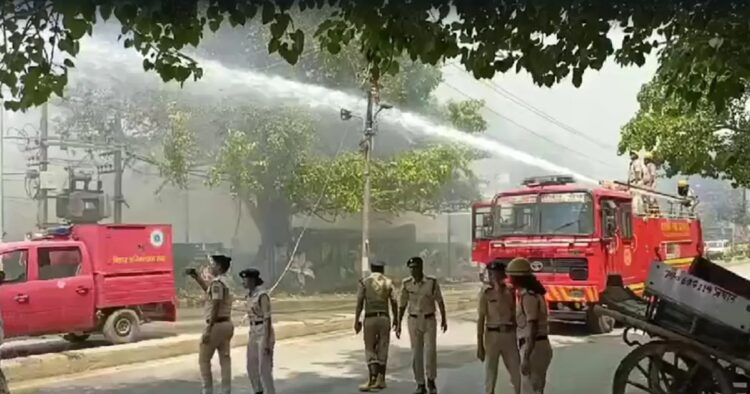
pixel 569 213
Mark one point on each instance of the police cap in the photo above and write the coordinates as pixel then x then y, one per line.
pixel 220 259
pixel 251 273
pixel 377 263
pixel 416 260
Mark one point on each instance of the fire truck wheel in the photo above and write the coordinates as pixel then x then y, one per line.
pixel 122 326
pixel 76 337
pixel 599 324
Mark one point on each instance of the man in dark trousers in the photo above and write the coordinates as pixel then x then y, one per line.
pixel 375 296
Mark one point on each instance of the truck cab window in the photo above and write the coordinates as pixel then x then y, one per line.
pixel 609 218
pixel 58 263
pixel 14 265
pixel 626 220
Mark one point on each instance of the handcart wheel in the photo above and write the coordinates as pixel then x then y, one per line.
pixel 664 367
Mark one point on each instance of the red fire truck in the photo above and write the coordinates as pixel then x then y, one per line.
pixel 88 278
pixel 575 236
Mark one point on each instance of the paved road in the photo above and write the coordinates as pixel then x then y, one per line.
pixel 285 309
pixel 334 364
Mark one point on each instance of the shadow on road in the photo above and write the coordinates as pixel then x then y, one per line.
pixel 55 344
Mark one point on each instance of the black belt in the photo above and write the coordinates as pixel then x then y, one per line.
pixel 220 320
pixel 377 314
pixel 426 316
pixel 256 322
pixel 522 341
pixel 502 328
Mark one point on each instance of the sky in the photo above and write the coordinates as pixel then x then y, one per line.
pixel 592 114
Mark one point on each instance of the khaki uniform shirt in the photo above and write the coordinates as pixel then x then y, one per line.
pixel 649 175
pixel 258 305
pixel 635 173
pixel 420 297
pixel 497 305
pixel 531 306
pixel 218 290
pixel 377 293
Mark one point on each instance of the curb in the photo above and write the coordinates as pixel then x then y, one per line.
pixel 27 369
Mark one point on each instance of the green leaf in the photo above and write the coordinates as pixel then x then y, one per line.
pixel 105 10
pixel 273 45
pixel 577 77
pixel 76 27
pixel 269 10
pixel 68 63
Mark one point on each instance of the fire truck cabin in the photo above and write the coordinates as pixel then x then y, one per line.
pixel 575 236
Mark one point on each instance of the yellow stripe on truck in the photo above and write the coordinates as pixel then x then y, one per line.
pixel 680 261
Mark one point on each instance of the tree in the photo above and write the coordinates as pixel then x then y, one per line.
pixel 549 40
pixel 271 158
pixel 691 138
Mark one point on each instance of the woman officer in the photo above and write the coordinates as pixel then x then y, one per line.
pixel 261 339
pixel 533 326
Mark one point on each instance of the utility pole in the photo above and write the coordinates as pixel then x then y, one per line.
pixel 43 161
pixel 450 244
pixel 743 217
pixel 2 171
pixel 187 214
pixel 367 147
pixel 119 199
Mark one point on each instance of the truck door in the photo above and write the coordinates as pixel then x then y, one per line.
pixel 65 289
pixel 610 239
pixel 627 241
pixel 14 297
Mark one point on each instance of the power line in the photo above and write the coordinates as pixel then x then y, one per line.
pixel 540 113
pixel 533 132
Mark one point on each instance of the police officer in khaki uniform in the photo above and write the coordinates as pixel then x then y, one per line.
pixel 375 295
pixel 419 294
pixel 533 327
pixel 635 171
pixel 219 329
pixel 496 329
pixel 261 338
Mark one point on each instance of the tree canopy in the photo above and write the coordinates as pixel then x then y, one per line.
pixel 691 138
pixel 550 40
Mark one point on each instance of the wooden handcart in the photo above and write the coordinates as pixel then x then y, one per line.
pixel 690 331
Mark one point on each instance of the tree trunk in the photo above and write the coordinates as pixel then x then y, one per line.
pixel 273 217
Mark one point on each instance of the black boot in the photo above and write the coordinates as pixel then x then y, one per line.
pixel 370 385
pixel 420 389
pixel 431 386
pixel 380 380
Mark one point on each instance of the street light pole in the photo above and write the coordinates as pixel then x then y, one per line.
pixel 367 147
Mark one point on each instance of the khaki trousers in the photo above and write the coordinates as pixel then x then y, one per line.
pixel 539 361
pixel 423 336
pixel 219 339
pixel 501 344
pixel 259 362
pixel 377 334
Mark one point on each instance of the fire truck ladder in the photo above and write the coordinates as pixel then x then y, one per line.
pixel 652 206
